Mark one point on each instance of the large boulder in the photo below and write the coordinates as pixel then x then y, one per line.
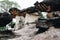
pixel 5 18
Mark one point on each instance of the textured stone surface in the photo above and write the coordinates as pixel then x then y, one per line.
pixel 51 34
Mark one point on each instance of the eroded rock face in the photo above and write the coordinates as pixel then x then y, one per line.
pixel 19 22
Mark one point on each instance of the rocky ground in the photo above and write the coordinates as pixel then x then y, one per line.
pixel 51 34
pixel 29 33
